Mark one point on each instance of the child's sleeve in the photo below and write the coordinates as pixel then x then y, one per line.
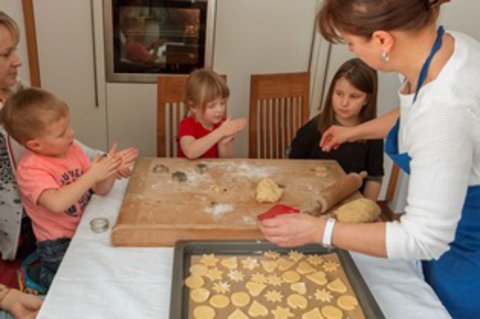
pixel 374 163
pixel 33 181
pixel 186 128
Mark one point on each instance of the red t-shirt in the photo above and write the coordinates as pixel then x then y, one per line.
pixel 190 127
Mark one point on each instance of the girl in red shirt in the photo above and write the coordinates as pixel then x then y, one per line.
pixel 205 132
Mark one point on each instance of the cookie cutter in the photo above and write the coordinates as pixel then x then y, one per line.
pixel 201 168
pixel 180 177
pixel 99 224
pixel 160 168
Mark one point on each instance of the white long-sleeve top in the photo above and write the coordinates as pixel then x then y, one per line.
pixel 441 133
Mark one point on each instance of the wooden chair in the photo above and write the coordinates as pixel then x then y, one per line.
pixel 279 106
pixel 170 112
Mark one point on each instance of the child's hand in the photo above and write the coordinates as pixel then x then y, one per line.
pixel 128 157
pixel 103 167
pixel 230 127
pixel 226 140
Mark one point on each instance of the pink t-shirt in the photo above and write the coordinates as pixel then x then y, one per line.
pixel 36 174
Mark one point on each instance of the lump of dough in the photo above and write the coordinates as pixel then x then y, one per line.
pixel 361 210
pixel 268 191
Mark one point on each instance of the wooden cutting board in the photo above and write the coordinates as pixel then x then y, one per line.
pixel 216 202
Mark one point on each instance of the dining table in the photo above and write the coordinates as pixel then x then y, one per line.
pixel 98 280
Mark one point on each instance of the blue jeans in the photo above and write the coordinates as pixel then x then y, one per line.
pixel 50 253
pixel 5 315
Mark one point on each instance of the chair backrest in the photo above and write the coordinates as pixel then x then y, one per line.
pixel 171 109
pixel 279 106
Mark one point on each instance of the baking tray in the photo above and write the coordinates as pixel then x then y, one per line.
pixel 184 250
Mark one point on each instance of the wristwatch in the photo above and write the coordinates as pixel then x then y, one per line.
pixel 328 232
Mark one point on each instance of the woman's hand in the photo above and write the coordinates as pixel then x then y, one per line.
pixel 293 230
pixel 335 136
pixel 21 305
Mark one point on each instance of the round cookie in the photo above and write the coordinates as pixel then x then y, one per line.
pixel 240 299
pixel 198 270
pixel 290 276
pixel 219 301
pixel 199 294
pixel 204 312
pixel 332 312
pixel 194 282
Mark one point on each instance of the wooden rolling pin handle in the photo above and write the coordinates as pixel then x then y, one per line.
pixel 340 190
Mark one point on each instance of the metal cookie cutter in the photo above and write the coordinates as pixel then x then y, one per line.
pixel 180 177
pixel 99 224
pixel 201 168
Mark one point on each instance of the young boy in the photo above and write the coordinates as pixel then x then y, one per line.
pixel 55 177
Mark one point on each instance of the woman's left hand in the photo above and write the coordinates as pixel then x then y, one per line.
pixel 293 230
pixel 21 305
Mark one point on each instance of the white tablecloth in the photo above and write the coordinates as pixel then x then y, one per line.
pixel 96 280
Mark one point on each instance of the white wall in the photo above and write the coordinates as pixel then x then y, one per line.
pixel 14 9
pixel 260 36
pixel 251 36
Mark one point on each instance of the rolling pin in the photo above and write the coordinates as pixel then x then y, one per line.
pixel 341 189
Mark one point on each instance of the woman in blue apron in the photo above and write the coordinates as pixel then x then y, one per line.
pixel 434 137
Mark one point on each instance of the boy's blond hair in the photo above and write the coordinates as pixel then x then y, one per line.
pixel 203 86
pixel 28 113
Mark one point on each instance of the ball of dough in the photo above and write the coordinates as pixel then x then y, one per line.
pixel 361 210
pixel 268 191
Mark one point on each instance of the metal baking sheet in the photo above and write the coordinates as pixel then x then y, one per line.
pixel 184 250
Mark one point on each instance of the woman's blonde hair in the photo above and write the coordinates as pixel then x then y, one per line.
pixel 204 86
pixel 10 25
pixel 28 113
pixel 362 77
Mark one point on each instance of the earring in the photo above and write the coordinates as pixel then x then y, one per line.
pixel 384 56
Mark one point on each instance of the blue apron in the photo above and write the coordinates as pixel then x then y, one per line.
pixel 455 277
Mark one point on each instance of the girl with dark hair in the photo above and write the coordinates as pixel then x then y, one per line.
pixel 434 136
pixel 351 100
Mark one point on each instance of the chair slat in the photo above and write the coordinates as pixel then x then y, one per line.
pixel 284 108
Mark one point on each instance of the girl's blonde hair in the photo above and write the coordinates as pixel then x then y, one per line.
pixel 28 113
pixel 362 77
pixel 204 86
pixel 10 25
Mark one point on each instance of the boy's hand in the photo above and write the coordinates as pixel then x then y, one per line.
pixel 232 127
pixel 128 157
pixel 103 167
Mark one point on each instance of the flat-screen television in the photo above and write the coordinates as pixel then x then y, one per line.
pixel 145 38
